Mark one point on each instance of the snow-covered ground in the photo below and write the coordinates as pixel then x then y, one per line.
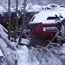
pixel 55 55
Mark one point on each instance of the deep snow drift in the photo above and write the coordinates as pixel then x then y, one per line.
pixel 27 56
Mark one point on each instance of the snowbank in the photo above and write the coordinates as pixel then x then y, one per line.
pixel 36 57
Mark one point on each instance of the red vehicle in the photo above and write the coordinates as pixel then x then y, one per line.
pixel 45 24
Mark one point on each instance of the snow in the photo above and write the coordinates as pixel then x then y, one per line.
pixel 62 51
pixel 24 59
pixel 6 52
pixel 36 57
pixel 33 8
pixel 2 9
pixel 24 41
pixel 2 29
pixel 1 54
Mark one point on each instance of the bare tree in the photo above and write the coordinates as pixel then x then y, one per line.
pixel 20 38
pixel 9 16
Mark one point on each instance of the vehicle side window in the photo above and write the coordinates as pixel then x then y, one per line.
pixel 32 18
pixel 51 18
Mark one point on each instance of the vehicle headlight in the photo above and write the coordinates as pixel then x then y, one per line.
pixel 44 29
pixel 50 29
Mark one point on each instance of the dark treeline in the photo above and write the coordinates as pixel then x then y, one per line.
pixel 45 2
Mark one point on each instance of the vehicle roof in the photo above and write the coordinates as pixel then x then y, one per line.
pixel 42 16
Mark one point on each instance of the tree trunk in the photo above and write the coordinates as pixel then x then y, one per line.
pixel 16 26
pixel 19 41
pixel 9 20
